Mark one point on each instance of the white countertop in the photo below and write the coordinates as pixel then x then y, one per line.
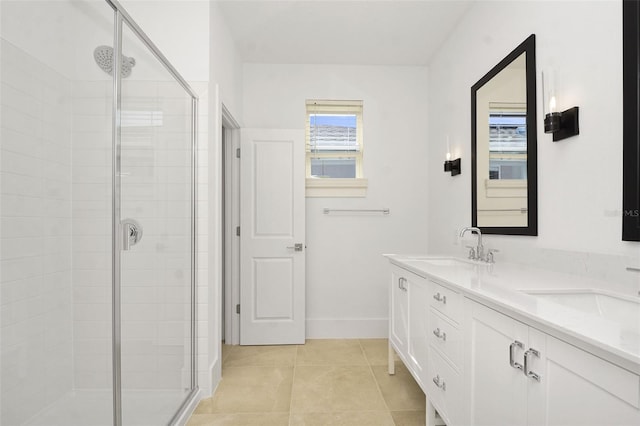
pixel 500 286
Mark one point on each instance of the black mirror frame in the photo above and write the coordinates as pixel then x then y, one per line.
pixel 631 117
pixel 529 47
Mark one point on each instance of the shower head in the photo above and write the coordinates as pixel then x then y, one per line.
pixel 104 58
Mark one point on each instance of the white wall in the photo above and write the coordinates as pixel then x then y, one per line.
pixel 180 29
pixel 346 275
pixel 24 23
pixel 225 82
pixel 226 64
pixel 580 179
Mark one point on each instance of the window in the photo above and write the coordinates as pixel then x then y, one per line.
pixel 334 148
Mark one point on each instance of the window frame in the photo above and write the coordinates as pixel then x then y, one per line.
pixel 335 187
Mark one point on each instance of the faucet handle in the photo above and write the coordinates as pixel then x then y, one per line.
pixel 472 252
pixel 490 258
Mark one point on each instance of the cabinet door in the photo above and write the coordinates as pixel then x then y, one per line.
pixel 399 313
pixel 497 392
pixel 417 341
pixel 577 388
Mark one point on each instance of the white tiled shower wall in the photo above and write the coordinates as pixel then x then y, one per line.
pixel 36 261
pixel 91 209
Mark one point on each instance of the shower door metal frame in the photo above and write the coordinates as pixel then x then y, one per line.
pixel 121 16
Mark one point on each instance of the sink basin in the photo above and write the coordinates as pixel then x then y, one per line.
pixel 624 310
pixel 448 262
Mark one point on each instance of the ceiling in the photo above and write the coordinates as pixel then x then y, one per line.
pixel 362 32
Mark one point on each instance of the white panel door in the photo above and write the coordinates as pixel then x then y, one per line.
pixel 272 223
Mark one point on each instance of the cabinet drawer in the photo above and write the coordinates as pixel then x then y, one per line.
pixel 449 341
pixel 446 301
pixel 446 393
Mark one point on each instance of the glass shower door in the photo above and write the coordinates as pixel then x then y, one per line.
pixel 157 223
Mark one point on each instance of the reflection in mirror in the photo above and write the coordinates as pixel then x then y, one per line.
pixel 508 142
pixel 501 149
pixel 504 146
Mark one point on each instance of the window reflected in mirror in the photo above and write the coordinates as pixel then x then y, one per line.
pixel 507 142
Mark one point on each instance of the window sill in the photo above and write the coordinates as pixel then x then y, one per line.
pixel 325 187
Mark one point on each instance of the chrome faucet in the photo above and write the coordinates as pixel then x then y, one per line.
pixel 478 253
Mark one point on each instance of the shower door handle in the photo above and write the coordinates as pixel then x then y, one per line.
pixel 131 233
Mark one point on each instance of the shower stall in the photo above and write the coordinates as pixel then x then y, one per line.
pixel 98 204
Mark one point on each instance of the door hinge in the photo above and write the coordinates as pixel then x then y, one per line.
pixel 237 231
pixel 237 152
pixel 238 308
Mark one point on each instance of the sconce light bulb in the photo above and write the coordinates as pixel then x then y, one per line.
pixel 552 104
pixel 448 156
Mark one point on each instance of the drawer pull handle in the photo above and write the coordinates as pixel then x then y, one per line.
pixel 527 362
pixel 440 383
pixel 512 349
pixel 440 334
pixel 440 298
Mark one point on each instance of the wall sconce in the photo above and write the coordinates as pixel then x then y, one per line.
pixel 450 165
pixel 561 124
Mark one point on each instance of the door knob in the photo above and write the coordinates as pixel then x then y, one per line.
pixel 296 247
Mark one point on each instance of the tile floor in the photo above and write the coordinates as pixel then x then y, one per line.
pixel 321 383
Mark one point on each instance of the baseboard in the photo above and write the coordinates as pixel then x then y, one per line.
pixel 352 328
pixel 216 375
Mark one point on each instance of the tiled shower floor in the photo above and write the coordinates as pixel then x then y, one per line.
pixel 94 408
pixel 324 382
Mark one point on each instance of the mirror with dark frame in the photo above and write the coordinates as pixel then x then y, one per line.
pixel 504 146
pixel 631 117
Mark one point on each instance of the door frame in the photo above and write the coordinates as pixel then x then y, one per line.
pixel 230 190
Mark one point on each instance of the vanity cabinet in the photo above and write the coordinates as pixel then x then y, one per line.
pixel 444 372
pixel 408 322
pixel 479 366
pixel 517 375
